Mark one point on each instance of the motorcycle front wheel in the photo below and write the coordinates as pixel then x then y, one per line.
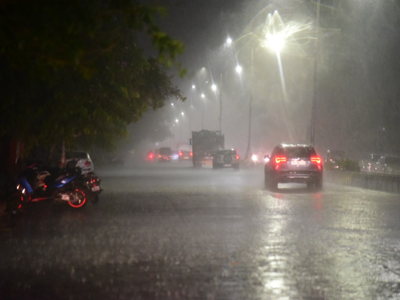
pixel 79 198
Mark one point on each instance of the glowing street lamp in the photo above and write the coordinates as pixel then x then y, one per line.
pixel 239 69
pixel 274 41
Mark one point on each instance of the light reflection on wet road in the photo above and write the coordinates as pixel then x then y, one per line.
pixel 168 231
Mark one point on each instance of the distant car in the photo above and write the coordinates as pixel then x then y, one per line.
pixel 185 155
pixel 293 163
pixel 164 154
pixel 226 158
pixel 388 164
pixel 84 162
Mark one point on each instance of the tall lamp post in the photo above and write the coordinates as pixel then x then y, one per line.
pixel 202 111
pixel 239 71
pixel 315 81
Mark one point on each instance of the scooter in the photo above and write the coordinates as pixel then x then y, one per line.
pixel 68 185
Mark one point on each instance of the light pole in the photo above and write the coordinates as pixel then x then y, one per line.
pixel 215 89
pixel 220 104
pixel 202 111
pixel 315 81
pixel 239 71
pixel 248 150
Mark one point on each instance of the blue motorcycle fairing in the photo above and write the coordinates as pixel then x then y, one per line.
pixel 63 181
pixel 25 184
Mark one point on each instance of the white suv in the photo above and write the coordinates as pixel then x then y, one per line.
pixel 83 160
pixel 226 158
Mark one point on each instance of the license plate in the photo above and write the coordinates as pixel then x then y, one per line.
pixel 298 162
pixel 95 188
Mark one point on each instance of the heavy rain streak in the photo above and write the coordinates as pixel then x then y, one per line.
pixel 200 149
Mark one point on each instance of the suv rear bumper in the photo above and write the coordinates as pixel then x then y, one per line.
pixel 295 176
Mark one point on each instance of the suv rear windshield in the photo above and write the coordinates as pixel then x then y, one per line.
pixel 231 152
pixel 165 151
pixel 296 151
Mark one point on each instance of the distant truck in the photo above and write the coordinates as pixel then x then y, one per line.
pixel 204 144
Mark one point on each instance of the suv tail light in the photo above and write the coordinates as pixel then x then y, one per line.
pixel 191 153
pixel 180 153
pixel 316 160
pixel 279 160
pixel 87 163
pixel 237 156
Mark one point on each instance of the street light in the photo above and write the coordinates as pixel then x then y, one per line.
pixel 315 83
pixel 239 69
pixel 202 111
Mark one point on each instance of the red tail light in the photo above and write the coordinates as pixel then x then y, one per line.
pixel 180 153
pixel 315 159
pixel 280 159
pixel 237 156
pixel 191 153
pixel 151 155
pixel 87 163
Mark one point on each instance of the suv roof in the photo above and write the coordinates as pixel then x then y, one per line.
pixel 295 145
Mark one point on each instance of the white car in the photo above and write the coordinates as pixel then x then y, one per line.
pixel 84 162
pixel 226 158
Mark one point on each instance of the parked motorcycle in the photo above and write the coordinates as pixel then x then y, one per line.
pixel 38 183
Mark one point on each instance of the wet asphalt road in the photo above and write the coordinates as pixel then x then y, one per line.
pixel 168 231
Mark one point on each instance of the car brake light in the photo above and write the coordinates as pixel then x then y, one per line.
pixel 315 159
pixel 237 156
pixel 180 153
pixel 280 159
pixel 191 153
pixel 87 163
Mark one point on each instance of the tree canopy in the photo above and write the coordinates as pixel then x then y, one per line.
pixel 72 70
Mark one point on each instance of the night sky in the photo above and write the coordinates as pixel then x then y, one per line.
pixel 358 108
pixel 200 24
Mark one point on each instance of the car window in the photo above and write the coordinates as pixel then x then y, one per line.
pixel 299 152
pixel 229 152
pixel 165 151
